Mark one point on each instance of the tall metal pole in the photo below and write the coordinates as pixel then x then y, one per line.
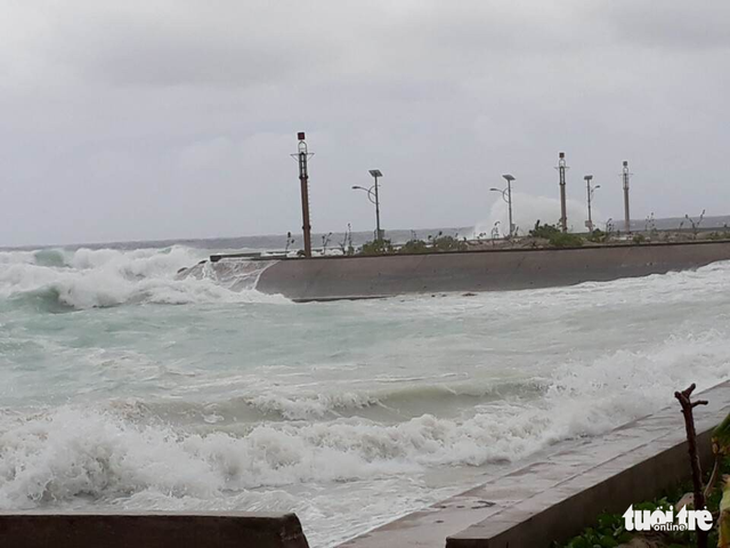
pixel 563 208
pixel 509 204
pixel 509 178
pixel 589 192
pixel 378 232
pixel 627 215
pixel 375 174
pixel 303 158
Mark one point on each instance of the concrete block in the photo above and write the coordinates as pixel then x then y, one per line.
pixel 150 530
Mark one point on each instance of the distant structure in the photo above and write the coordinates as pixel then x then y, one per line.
pixel 374 197
pixel 302 157
pixel 590 190
pixel 375 174
pixel 626 175
pixel 563 208
pixel 507 197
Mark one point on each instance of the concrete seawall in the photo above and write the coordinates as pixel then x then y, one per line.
pixel 330 278
pixel 151 530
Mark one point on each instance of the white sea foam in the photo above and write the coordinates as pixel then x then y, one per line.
pixel 88 278
pixel 67 452
pixel 17 257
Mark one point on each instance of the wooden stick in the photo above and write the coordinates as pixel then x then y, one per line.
pixel 694 457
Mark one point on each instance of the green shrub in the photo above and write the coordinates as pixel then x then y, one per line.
pixel 638 239
pixel 414 246
pixel 376 247
pixel 608 533
pixel 448 243
pixel 565 239
pixel 544 231
pixel 598 236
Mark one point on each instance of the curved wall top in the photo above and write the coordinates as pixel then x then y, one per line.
pixel 330 278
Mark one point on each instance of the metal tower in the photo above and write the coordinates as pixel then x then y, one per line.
pixel 626 175
pixel 302 156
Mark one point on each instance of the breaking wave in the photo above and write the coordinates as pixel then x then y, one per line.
pixel 58 279
pixel 109 452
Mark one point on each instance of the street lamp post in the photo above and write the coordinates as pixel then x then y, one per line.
pixel 376 173
pixel 562 167
pixel 374 197
pixel 507 197
pixel 589 193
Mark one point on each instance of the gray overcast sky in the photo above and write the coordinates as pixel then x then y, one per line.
pixel 148 119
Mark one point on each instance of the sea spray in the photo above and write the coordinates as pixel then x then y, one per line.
pixel 528 209
pixel 86 278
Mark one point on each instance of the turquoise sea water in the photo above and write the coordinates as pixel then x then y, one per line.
pixel 124 385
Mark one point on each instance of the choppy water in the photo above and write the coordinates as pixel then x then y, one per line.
pixel 124 387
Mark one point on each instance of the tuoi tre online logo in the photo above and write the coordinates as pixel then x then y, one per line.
pixel 665 520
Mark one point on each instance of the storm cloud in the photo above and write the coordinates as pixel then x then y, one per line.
pixel 162 119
